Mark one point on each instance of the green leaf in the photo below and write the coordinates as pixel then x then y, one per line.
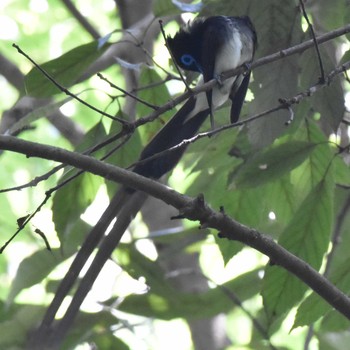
pixel 271 164
pixel 164 8
pixel 240 204
pixel 281 29
pixel 124 156
pixel 168 305
pixel 14 331
pixel 94 328
pixel 346 56
pixel 136 264
pixel 310 310
pixel 314 307
pixel 21 319
pixel 334 321
pixel 65 69
pixel 332 14
pixel 36 267
pixel 70 201
pixel 157 95
pixel 341 172
pixel 328 102
pixel 107 341
pixel 306 236
pixel 212 155
pixel 36 114
pixel 312 171
pixel 250 206
pixel 166 302
pixel 333 341
pixel 282 202
pixel 228 248
pixel 33 270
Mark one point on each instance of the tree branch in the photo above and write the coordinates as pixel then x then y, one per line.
pixel 194 209
pixel 197 209
pixel 66 126
pixel 297 49
pixel 11 72
pixel 81 19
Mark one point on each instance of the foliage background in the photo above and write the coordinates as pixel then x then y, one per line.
pixel 168 283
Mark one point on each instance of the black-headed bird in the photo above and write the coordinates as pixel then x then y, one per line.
pixel 209 46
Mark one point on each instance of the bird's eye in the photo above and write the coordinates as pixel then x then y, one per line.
pixel 187 60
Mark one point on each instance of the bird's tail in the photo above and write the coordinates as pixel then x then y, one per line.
pixel 125 204
pixel 179 128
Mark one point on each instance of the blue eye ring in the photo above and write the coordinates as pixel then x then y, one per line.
pixel 187 60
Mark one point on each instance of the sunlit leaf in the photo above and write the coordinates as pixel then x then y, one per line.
pixel 306 236
pixel 70 202
pixel 228 248
pixel 36 267
pixel 65 70
pixel 164 8
pixel 334 321
pixel 94 328
pixel 267 87
pixel 341 171
pixel 73 198
pixel 36 114
pixel 314 307
pixel 328 102
pixel 14 330
pixel 271 164
pixel 192 305
pixel 125 152
pixel 157 95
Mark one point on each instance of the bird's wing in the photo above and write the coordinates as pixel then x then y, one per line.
pixel 211 45
pixel 182 126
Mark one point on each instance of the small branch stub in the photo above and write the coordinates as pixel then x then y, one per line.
pixel 193 209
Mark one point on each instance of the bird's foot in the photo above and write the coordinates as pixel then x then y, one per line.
pixel 247 67
pixel 218 78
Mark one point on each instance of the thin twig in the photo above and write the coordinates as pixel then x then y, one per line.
pixel 225 75
pixel 155 84
pixel 336 235
pixel 236 301
pixel 236 229
pixel 322 78
pixel 81 19
pixel 51 172
pixel 25 222
pixel 284 104
pixel 147 54
pixel 49 192
pixel 194 209
pixel 210 84
pixel 172 56
pixel 127 93
pixel 35 181
pixel 66 91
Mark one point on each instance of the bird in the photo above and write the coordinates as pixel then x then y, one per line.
pixel 209 46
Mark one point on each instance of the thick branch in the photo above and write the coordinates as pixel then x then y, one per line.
pixel 11 72
pixel 193 209
pixel 66 126
pixel 81 19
